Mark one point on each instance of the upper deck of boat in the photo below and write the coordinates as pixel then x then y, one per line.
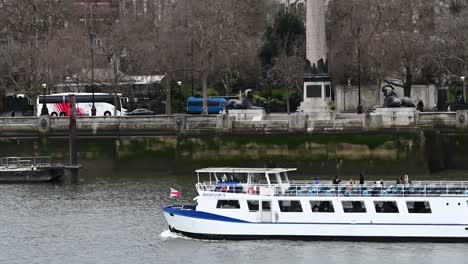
pixel 387 189
pixel 243 170
pixel 275 182
pixel 20 163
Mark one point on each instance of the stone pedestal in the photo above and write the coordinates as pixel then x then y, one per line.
pixel 224 122
pixel 317 96
pixel 297 122
pixel 462 119
pixel 391 117
pixel 246 114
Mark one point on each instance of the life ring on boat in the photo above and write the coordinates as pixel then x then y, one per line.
pixel 251 190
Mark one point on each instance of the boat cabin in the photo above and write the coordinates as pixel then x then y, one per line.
pixel 243 180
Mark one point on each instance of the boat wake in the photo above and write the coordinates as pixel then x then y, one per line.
pixel 167 234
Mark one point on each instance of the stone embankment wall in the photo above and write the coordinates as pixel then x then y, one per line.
pixel 297 123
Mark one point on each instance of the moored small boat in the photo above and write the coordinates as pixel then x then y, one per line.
pixel 29 170
pixel 252 203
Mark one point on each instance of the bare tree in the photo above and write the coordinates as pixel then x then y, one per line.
pixel 32 33
pixel 220 31
pixel 451 50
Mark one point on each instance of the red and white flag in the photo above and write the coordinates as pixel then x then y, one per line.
pixel 174 193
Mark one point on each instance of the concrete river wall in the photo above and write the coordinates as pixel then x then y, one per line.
pixel 327 154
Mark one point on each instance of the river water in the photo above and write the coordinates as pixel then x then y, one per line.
pixel 116 217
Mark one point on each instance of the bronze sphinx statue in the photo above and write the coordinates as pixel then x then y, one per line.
pixel 391 99
pixel 243 103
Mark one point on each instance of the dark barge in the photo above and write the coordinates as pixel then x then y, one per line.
pixel 30 170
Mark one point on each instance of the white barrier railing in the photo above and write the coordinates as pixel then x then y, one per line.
pixel 387 189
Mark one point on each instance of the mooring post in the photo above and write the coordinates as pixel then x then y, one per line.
pixel 72 137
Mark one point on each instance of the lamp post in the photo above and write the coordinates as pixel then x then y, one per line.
pixel 91 38
pixel 463 78
pixel 179 86
pixel 93 107
pixel 359 107
pixel 44 110
pixel 191 53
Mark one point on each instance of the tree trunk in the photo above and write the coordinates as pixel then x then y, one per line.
pixel 204 78
pixel 226 87
pixel 168 95
pixel 408 82
pixel 116 102
pixel 288 106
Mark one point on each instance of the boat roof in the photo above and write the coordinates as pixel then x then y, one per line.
pixel 244 170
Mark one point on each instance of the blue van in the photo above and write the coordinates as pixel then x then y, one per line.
pixel 215 105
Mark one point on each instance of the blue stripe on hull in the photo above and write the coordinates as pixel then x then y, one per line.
pixel 214 217
pixel 201 215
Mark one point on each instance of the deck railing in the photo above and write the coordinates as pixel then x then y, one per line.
pixel 387 189
pixel 25 162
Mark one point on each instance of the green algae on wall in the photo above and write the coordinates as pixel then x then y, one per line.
pixel 377 153
pixel 267 147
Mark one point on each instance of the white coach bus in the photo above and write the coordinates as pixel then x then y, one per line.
pixel 57 104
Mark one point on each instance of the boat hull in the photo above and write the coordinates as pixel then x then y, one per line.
pixel 202 225
pixel 31 176
pixel 324 238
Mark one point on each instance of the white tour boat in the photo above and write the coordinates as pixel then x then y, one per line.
pixel 253 203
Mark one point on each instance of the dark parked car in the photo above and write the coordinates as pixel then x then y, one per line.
pixel 140 111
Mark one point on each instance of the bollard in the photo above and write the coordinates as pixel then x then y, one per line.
pixel 72 136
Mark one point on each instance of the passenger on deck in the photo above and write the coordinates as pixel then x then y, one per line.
pixel 406 180
pixel 336 180
pixel 224 178
pixel 349 187
pixel 361 179
pixel 316 181
pixel 399 181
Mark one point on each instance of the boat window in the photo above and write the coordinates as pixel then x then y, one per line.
pixel 354 206
pixel 322 206
pixel 233 177
pixel 228 204
pixel 284 177
pixel 290 206
pixel 386 207
pixel 272 178
pixel 239 177
pixel 253 205
pixel 420 207
pixel 266 206
pixel 257 177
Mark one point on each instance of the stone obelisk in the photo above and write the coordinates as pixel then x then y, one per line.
pixel 315 30
pixel 317 87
